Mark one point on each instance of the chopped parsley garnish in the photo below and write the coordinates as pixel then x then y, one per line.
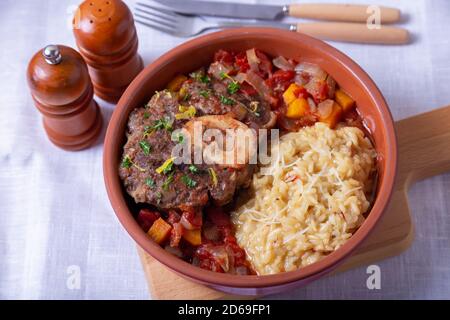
pixel 200 76
pixel 167 182
pixel 150 182
pixel 226 101
pixel 164 123
pixel 179 137
pixel 186 97
pixel 205 79
pixel 146 147
pixel 166 167
pixel 158 197
pixel 146 115
pixel 188 181
pixel 223 75
pixel 126 162
pixel 194 75
pixel 233 87
pixel 193 169
pixel 204 93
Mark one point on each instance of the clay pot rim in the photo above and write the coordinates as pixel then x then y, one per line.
pixel 116 196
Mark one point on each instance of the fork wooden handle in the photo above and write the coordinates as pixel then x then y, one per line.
pixel 354 32
pixel 343 12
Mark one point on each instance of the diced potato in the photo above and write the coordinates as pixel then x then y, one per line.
pixel 297 108
pixel 289 94
pixel 334 117
pixel 160 231
pixel 344 100
pixel 194 237
pixel 176 83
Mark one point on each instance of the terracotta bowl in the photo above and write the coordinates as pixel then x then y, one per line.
pixel 199 52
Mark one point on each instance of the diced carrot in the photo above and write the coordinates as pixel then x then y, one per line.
pixel 344 100
pixel 160 231
pixel 194 237
pixel 289 95
pixel 297 108
pixel 176 83
pixel 147 217
pixel 334 117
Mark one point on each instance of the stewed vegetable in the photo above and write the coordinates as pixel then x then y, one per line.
pixel 185 210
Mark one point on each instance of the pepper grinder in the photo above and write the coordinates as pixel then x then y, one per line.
pixel 62 91
pixel 106 38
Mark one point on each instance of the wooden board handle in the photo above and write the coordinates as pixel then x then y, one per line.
pixel 342 12
pixel 424 145
pixel 354 32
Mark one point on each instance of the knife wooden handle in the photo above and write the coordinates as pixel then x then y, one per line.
pixel 354 32
pixel 343 12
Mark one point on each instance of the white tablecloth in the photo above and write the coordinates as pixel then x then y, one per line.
pixel 55 218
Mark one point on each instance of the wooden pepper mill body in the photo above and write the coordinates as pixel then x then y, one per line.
pixel 106 37
pixel 62 91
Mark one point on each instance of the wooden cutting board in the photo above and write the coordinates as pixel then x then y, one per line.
pixel 424 151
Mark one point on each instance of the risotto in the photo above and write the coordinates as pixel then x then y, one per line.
pixel 306 204
pixel 309 200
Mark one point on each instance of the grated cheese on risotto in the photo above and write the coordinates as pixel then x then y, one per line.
pixel 308 201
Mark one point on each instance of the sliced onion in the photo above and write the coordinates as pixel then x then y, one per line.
pixel 253 59
pixel 186 224
pixel 217 69
pixel 240 77
pixel 312 105
pixel 301 79
pixel 313 87
pixel 176 234
pixel 242 271
pixel 258 83
pixel 311 69
pixel 281 63
pixel 331 83
pixel 325 108
pixel 231 259
pixel 221 256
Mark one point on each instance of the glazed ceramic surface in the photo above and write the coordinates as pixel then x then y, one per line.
pixel 199 52
pixel 63 93
pixel 107 40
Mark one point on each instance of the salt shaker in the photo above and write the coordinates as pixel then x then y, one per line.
pixel 106 38
pixel 63 92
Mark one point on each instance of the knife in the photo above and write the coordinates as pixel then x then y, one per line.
pixel 319 11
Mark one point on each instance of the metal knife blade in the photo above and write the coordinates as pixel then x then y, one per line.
pixel 225 9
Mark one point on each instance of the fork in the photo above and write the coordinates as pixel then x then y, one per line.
pixel 181 25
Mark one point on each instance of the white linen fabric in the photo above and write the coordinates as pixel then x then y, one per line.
pixel 55 218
